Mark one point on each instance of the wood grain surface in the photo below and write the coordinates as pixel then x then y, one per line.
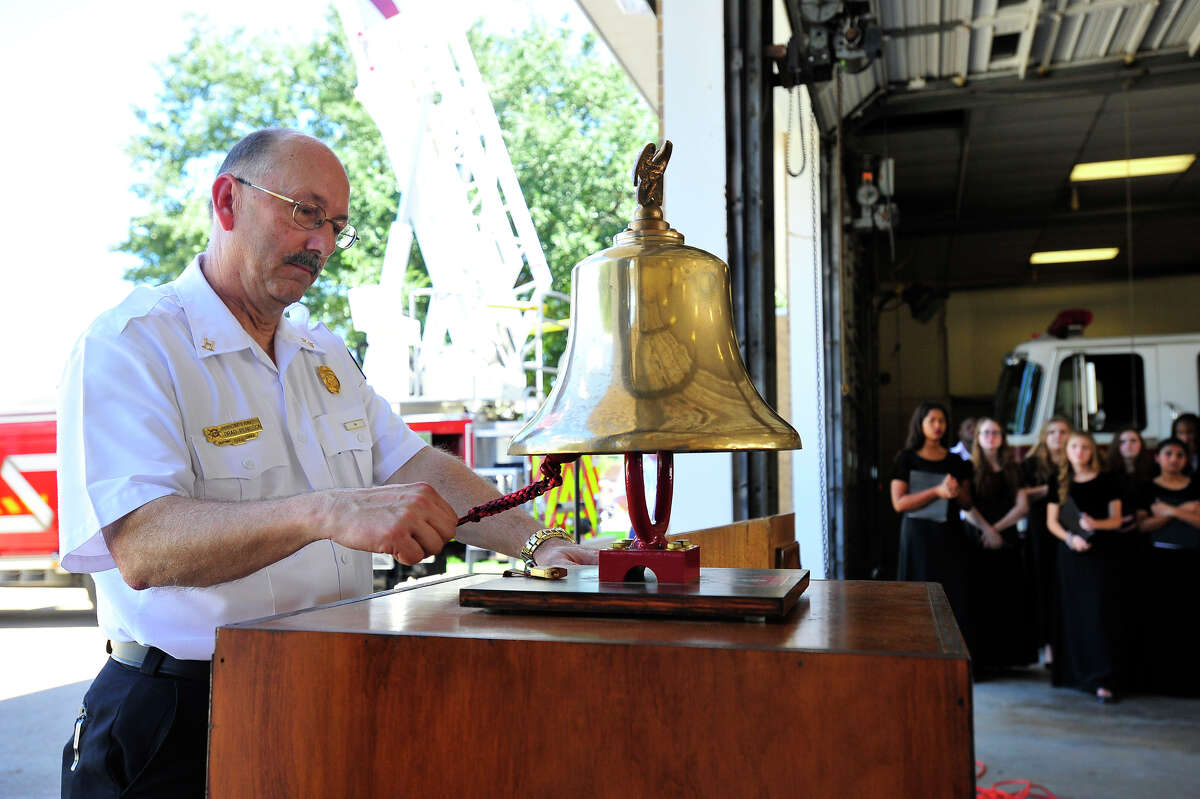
pixel 764 543
pixel 864 690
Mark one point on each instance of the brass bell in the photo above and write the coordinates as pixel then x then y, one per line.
pixel 652 361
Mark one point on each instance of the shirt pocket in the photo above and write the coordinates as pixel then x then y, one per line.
pixel 235 472
pixel 346 441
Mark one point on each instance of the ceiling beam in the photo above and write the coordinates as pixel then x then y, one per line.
pixel 1052 41
pixel 1164 71
pixel 1011 15
pixel 1111 32
pixel 1025 45
pixel 946 224
pixel 1166 26
pixel 1139 31
pixel 1073 41
pixel 1060 274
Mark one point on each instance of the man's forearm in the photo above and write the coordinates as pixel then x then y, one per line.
pixel 505 532
pixel 178 541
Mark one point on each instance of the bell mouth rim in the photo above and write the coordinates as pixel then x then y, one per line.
pixel 601 447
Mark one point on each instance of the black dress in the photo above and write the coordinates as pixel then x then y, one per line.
pixel 1170 648
pixel 1091 650
pixel 1043 557
pixel 999 592
pixel 936 550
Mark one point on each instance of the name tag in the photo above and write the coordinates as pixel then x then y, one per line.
pixel 357 424
pixel 233 433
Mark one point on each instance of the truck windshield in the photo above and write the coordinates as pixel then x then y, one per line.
pixel 1016 396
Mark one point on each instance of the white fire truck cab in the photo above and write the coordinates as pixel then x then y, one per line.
pixel 1099 384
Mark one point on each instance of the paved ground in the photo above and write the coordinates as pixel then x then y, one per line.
pixel 1024 729
pixel 1144 746
pixel 50 649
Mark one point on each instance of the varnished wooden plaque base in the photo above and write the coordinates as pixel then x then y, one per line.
pixel 719 593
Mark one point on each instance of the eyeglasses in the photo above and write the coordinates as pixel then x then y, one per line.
pixel 311 216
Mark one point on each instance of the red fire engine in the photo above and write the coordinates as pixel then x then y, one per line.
pixel 29 504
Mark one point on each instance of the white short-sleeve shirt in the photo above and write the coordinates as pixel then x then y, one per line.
pixel 167 394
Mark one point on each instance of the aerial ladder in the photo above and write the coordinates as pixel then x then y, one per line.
pixel 460 198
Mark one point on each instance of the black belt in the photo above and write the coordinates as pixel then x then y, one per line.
pixel 152 660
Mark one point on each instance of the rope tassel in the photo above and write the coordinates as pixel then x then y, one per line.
pixel 551 472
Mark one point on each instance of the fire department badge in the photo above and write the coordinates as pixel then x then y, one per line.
pixel 332 384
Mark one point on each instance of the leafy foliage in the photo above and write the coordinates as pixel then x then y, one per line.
pixel 574 126
pixel 219 88
pixel 571 120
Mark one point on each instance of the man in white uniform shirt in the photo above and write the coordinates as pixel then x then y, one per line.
pixel 220 462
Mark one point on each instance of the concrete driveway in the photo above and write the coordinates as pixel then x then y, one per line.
pixel 51 649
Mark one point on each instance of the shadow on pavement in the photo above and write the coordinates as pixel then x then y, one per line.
pixel 47 617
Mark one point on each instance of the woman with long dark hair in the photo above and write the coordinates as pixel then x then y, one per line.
pixel 1084 513
pixel 1169 514
pixel 1039 469
pixel 999 593
pixel 1133 464
pixel 929 487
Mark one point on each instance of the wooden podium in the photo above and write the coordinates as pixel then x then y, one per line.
pixel 863 690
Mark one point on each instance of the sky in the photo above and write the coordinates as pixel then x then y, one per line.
pixel 74 69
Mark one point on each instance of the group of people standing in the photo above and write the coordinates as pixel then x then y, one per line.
pixel 1091 582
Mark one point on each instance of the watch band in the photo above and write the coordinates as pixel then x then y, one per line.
pixel 540 537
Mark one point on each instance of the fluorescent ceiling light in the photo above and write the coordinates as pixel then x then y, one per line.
pixel 1071 256
pixel 1133 167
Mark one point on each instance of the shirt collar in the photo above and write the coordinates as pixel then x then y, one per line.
pixel 214 328
pixel 295 327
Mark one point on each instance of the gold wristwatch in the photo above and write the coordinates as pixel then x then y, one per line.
pixel 539 538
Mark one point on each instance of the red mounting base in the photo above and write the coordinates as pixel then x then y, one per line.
pixel 668 565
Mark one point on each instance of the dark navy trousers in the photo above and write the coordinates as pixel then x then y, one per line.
pixel 140 734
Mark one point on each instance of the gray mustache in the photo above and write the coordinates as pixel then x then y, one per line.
pixel 308 260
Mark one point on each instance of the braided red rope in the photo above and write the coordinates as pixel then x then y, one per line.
pixel 1021 789
pixel 552 477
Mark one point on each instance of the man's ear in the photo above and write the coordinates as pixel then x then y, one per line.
pixel 222 200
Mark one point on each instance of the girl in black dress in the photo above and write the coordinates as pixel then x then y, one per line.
pixel 929 487
pixel 1039 469
pixel 999 594
pixel 1090 651
pixel 1171 645
pixel 1133 464
pixel 1172 495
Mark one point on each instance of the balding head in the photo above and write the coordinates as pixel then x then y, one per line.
pixel 250 158
pixel 254 156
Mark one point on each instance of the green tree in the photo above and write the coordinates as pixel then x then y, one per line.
pixel 574 126
pixel 572 123
pixel 223 85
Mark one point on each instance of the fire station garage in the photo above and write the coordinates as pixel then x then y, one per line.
pixel 899 358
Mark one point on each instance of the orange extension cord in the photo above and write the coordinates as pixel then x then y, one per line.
pixel 1009 789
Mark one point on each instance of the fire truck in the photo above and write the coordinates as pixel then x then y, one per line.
pixel 29 504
